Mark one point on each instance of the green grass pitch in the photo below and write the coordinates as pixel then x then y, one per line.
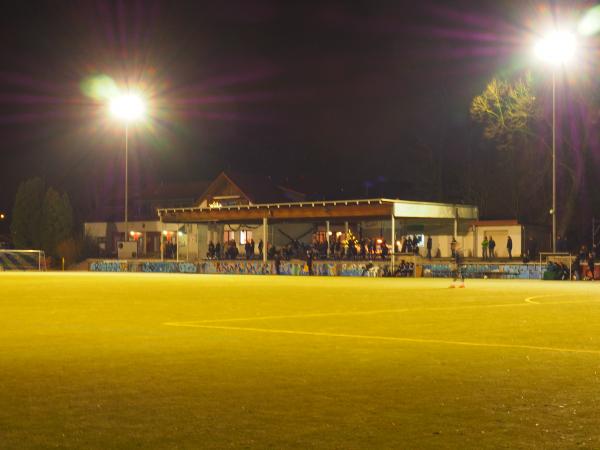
pixel 182 361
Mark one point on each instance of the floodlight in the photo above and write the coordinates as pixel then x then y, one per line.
pixel 558 47
pixel 128 107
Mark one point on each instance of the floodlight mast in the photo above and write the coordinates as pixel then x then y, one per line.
pixel 128 108
pixel 557 49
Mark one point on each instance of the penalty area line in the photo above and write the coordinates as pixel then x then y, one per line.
pixel 390 338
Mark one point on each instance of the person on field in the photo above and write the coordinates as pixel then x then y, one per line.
pixel 458 269
pixel 309 261
pixel 491 247
pixel 591 262
pixel 484 247
pixel 509 247
pixel 453 244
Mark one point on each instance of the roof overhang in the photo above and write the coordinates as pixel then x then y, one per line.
pixel 434 210
pixel 322 210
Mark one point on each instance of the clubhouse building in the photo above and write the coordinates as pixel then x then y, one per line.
pixel 237 208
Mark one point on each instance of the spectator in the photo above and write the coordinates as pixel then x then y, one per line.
pixel 211 250
pixel 509 247
pixel 384 249
pixel 277 258
pixel 484 247
pixel 218 250
pixel 429 246
pixel 260 248
pixel 491 247
pixel 252 248
pixel 591 262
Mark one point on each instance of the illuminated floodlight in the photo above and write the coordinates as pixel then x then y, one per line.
pixel 128 107
pixel 556 48
pixel 2 216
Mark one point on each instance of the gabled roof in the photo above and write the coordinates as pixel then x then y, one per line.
pixel 253 188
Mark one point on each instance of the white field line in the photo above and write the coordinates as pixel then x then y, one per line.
pixel 528 301
pixel 393 339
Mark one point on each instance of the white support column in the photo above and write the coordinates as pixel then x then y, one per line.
pixel 144 243
pixel 393 258
pixel 456 224
pixel 162 240
pixel 187 242
pixel 346 227
pixel 265 246
pixel 177 243
pixel 327 236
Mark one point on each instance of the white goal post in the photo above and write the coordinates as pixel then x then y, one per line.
pixel 22 260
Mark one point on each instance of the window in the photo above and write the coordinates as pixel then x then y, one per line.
pixel 228 236
pixel 245 236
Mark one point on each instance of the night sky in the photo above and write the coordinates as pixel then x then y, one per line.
pixel 336 91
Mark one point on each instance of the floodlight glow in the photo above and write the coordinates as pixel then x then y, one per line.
pixel 128 107
pixel 590 23
pixel 557 47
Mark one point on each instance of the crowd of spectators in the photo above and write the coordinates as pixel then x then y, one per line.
pixel 342 247
pixel 230 250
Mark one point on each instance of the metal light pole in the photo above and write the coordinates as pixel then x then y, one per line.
pixel 127 107
pixel 126 183
pixel 554 161
pixel 557 49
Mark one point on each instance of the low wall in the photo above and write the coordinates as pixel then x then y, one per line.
pixel 295 267
pixel 479 270
pixel 320 268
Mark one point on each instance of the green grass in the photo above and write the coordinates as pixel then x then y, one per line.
pixel 155 361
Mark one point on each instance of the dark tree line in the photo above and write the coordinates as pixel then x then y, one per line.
pixel 42 218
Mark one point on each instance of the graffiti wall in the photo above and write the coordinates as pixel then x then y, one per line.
pixel 109 266
pixel 477 270
pixel 320 268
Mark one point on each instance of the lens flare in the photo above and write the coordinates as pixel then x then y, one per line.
pixel 99 87
pixel 590 23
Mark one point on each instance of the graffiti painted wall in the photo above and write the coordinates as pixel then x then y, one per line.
pixel 476 270
pixel 320 268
